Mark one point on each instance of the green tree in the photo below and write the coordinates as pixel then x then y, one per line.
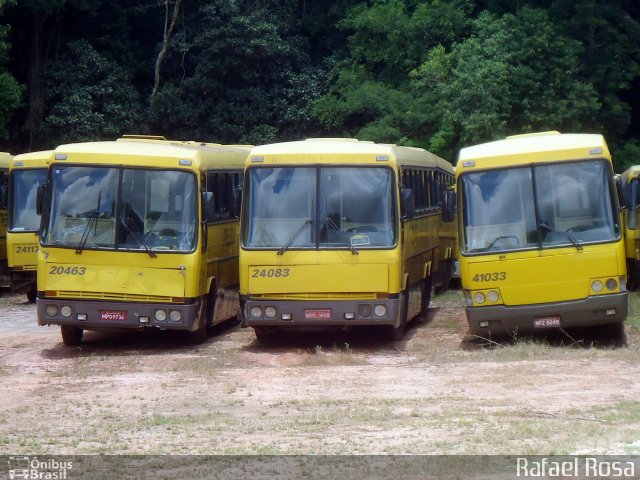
pixel 514 74
pixel 96 102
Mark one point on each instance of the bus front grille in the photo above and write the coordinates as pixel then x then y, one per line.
pixel 120 297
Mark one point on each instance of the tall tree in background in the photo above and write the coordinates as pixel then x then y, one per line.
pixel 10 90
pixel 169 26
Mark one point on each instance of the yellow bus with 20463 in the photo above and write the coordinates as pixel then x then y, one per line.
pixel 5 163
pixel 339 233
pixel 139 233
pixel 27 172
pixel 540 234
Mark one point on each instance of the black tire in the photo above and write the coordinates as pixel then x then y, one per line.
pixel 71 335
pixel 425 299
pixel 396 333
pixel 32 294
pixel 266 334
pixel 201 334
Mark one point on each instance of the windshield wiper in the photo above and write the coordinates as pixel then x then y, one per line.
pixel 93 219
pixel 293 237
pixel 139 241
pixel 346 241
pixel 573 239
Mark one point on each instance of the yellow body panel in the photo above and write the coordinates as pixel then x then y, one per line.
pixel 22 250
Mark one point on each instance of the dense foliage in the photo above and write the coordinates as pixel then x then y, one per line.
pixel 439 74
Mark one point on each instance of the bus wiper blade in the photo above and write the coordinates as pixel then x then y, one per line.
pixel 93 219
pixel 346 241
pixel 293 237
pixel 573 239
pixel 140 242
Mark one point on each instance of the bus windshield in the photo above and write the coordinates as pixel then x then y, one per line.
pixel 320 207
pixel 539 206
pixel 122 208
pixel 25 183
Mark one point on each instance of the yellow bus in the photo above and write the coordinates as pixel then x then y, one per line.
pixel 139 233
pixel 631 193
pixel 27 172
pixel 5 274
pixel 540 234
pixel 338 232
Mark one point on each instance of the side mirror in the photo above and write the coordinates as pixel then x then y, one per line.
pixel 448 205
pixel 40 196
pixel 4 196
pixel 237 200
pixel 208 207
pixel 622 199
pixel 407 204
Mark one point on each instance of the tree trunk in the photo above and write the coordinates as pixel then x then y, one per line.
pixel 168 32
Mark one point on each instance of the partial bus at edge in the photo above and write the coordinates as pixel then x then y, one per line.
pixel 27 172
pixel 540 235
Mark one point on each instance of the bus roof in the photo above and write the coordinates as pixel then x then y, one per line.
pixel 630 173
pixel 531 148
pixel 154 152
pixel 32 159
pixel 5 160
pixel 341 150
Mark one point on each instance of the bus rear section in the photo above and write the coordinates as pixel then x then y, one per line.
pixel 629 183
pixel 330 237
pixel 131 238
pixel 5 274
pixel 540 235
pixel 27 173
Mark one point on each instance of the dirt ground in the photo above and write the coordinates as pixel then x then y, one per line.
pixel 434 392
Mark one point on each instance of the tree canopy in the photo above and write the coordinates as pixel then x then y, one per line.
pixel 439 74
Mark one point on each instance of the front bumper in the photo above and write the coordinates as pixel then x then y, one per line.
pixel 95 315
pixel 321 312
pixel 589 312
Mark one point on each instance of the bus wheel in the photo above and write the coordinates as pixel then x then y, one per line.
pixel 266 334
pixel 395 333
pixel 71 335
pixel 32 294
pixel 201 334
pixel 425 299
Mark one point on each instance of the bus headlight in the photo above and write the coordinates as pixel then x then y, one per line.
pixel 270 312
pixel 493 296
pixel 65 311
pixel 256 312
pixel 161 315
pixel 175 315
pixel 51 310
pixel 380 310
pixel 597 286
pixel 478 297
pixel 611 284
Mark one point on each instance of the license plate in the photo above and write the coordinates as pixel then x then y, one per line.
pixel 546 322
pixel 113 315
pixel 318 314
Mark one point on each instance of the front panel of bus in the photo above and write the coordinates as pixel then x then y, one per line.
pixel 5 278
pixel 320 245
pixel 23 225
pixel 541 246
pixel 120 247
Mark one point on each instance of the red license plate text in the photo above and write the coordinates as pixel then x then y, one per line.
pixel 319 314
pixel 113 315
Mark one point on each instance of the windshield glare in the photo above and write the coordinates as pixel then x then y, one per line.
pixel 320 207
pixel 154 209
pixel 538 207
pixel 25 185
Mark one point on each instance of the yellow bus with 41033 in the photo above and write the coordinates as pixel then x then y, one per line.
pixel 541 244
